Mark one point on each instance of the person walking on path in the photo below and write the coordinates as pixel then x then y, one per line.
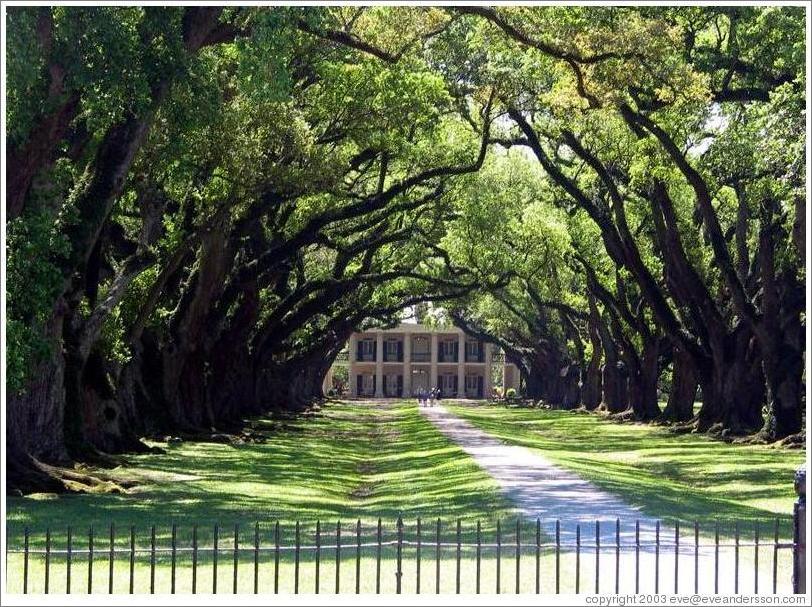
pixel 421 396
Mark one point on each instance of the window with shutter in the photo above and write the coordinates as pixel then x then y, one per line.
pixel 471 351
pixel 366 350
pixel 391 350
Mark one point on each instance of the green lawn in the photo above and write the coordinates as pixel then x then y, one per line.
pixel 348 461
pixel 355 461
pixel 685 476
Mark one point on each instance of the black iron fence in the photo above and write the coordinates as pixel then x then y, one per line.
pixel 518 556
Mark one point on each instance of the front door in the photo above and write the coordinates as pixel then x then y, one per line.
pixel 448 385
pixel 420 379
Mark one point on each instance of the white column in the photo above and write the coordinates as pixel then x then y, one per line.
pixel 433 375
pixel 351 355
pixel 407 364
pixel 461 367
pixel 487 388
pixel 379 365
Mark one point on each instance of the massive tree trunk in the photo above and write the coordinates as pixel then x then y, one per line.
pixel 784 393
pixel 232 394
pixel 191 337
pixel 643 381
pixel 551 378
pixel 780 334
pixel 732 386
pixel 292 386
pixel 680 406
pixel 571 386
pixel 534 384
pixel 782 353
pixel 614 375
pixel 35 417
pixel 139 389
pixel 615 386
pixel 592 383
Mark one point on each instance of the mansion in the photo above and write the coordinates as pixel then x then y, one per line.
pixel 402 360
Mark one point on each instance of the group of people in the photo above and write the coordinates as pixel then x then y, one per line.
pixel 428 398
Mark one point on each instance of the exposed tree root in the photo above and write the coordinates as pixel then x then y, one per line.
pixel 793 441
pixel 26 475
pixel 622 417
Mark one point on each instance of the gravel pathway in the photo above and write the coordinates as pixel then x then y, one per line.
pixel 540 488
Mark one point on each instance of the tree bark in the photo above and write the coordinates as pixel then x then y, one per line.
pixel 733 386
pixel 35 418
pixel 643 381
pixel 614 376
pixel 615 386
pixel 592 383
pixel 680 406
pixel 780 334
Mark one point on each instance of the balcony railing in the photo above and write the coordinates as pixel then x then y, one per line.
pixel 365 357
pixel 447 358
pixel 421 357
pixel 474 358
pixel 343 356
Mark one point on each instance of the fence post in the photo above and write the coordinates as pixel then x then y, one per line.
pixel 799 535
